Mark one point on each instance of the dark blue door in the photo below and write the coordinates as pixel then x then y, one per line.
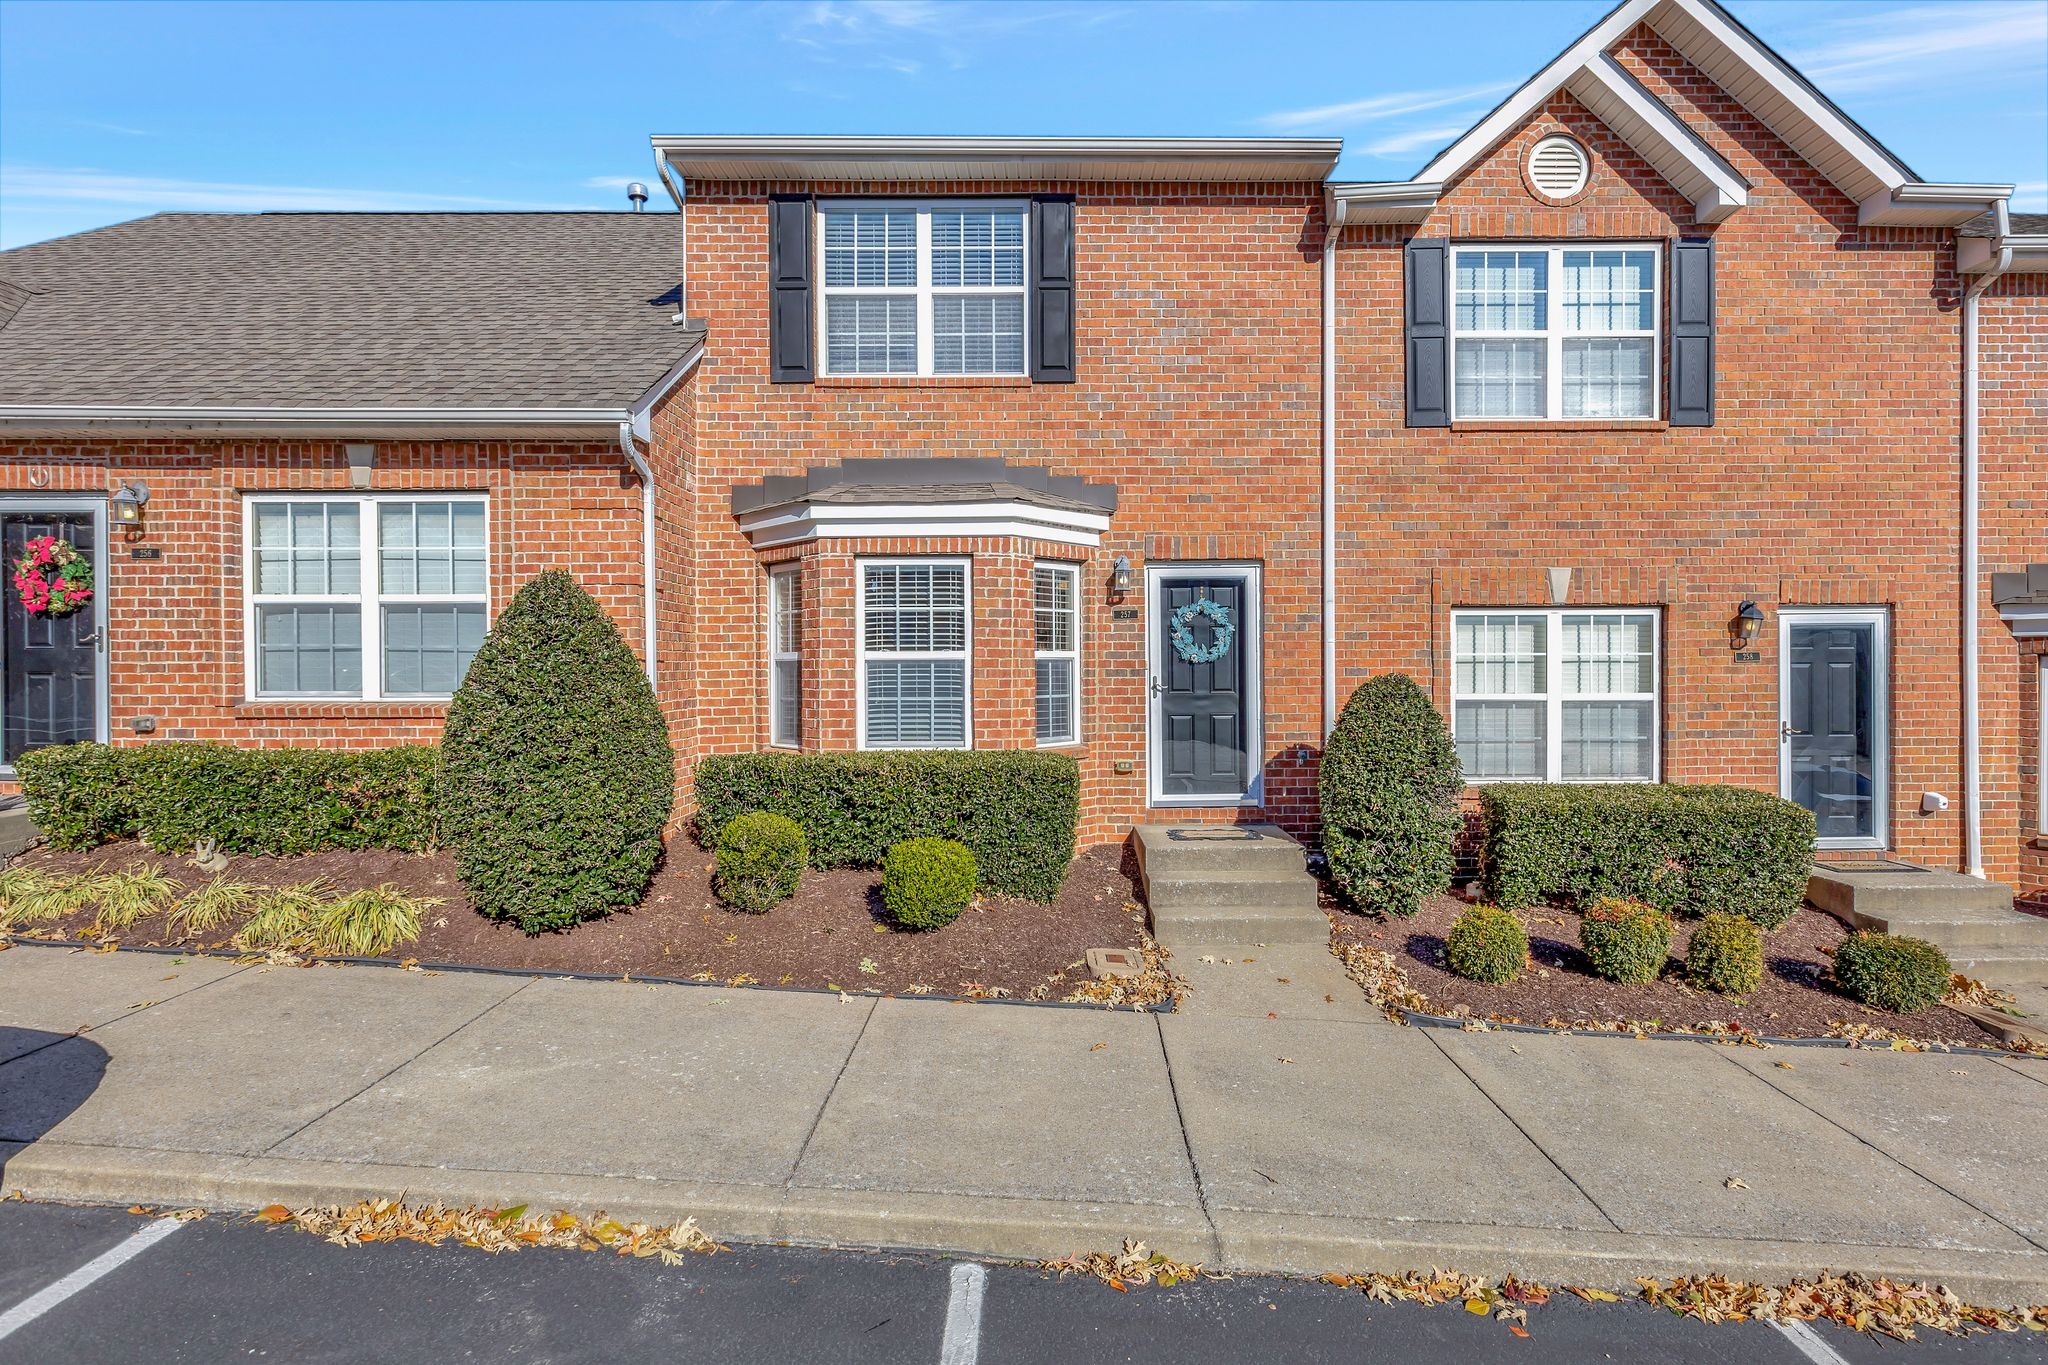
pixel 51 663
pixel 1831 726
pixel 1201 689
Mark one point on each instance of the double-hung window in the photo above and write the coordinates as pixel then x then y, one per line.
pixel 1554 332
pixel 1056 651
pixel 785 656
pixel 914 638
pixel 1555 696
pixel 363 597
pixel 915 289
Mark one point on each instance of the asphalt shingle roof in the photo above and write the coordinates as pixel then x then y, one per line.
pixel 517 310
pixel 2023 225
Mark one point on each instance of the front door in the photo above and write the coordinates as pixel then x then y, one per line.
pixel 50 663
pixel 1205 650
pixel 1832 724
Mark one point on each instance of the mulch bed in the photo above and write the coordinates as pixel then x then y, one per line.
pixel 1796 999
pixel 831 934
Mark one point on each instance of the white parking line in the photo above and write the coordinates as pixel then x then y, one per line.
pixel 963 1316
pixel 1809 1343
pixel 48 1297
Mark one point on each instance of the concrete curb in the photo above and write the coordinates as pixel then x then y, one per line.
pixel 1003 1229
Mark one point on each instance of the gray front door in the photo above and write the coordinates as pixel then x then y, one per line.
pixel 1204 706
pixel 51 664
pixel 1832 726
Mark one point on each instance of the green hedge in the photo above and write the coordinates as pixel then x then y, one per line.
pixel 1687 850
pixel 1015 809
pixel 249 801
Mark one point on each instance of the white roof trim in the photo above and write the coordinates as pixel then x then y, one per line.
pixel 999 158
pixel 2028 623
pixel 1927 205
pixel 793 523
pixel 1401 201
pixel 1646 123
pixel 643 410
pixel 2028 254
pixel 104 420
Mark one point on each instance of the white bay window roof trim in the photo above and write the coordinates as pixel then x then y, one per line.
pixel 795 524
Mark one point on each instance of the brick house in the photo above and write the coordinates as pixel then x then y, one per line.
pixel 1148 449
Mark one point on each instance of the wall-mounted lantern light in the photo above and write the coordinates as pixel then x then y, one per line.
pixel 1120 576
pixel 128 502
pixel 1747 625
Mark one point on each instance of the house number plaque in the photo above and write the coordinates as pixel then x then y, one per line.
pixel 146 552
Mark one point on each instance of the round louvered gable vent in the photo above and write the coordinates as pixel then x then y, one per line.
pixel 1558 167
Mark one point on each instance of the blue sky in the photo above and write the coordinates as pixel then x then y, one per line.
pixel 112 110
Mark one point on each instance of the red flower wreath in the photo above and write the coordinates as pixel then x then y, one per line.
pixel 53 578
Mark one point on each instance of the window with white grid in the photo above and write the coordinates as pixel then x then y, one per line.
pixel 1056 651
pixel 1555 696
pixel 363 597
pixel 785 656
pixel 914 665
pixel 1554 332
pixel 922 289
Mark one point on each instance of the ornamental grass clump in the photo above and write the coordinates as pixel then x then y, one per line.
pixel 209 907
pixel 1626 940
pixel 370 922
pixel 1726 955
pixel 1390 783
pixel 556 771
pixel 1487 944
pixel 1892 972
pixel 125 897
pixel 283 918
pixel 926 883
pixel 761 859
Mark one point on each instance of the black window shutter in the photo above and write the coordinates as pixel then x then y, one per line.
pixel 1692 333
pixel 1429 341
pixel 790 355
pixel 1052 288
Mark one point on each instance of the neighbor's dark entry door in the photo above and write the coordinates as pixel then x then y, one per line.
pixel 1204 713
pixel 1830 728
pixel 51 664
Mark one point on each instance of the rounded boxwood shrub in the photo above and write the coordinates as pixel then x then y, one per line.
pixel 1627 940
pixel 761 858
pixel 1726 955
pixel 926 883
pixel 1390 783
pixel 1892 972
pixel 1487 944
pixel 557 776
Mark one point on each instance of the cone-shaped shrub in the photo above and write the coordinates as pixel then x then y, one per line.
pixel 1487 944
pixel 557 776
pixel 1626 940
pixel 1891 971
pixel 1390 783
pixel 1726 955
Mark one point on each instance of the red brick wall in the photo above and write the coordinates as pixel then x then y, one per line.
pixel 1197 327
pixel 2012 352
pixel 1830 476
pixel 174 644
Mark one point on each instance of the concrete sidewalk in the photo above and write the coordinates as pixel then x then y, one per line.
pixel 1310 1138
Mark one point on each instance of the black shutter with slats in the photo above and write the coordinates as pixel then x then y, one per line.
pixel 1692 333
pixel 791 359
pixel 1052 288
pixel 1428 333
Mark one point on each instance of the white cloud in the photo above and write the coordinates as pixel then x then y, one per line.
pixel 1415 139
pixel 1379 107
pixel 1916 44
pixel 2030 196
pixel 902 36
pixel 29 185
pixel 609 182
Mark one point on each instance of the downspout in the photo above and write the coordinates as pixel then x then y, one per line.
pixel 1973 774
pixel 1333 222
pixel 631 449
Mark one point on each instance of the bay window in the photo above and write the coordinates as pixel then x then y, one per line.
pixel 914 666
pixel 1556 696
pixel 1554 332
pixel 1056 652
pixel 912 289
pixel 363 597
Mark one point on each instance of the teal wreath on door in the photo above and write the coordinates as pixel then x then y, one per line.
pixel 1222 631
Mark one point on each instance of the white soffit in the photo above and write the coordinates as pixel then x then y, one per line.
pixel 1647 124
pixel 1243 159
pixel 793 523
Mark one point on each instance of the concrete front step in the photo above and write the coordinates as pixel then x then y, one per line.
pixel 1237 926
pixel 2023 932
pixel 1878 890
pixel 16 831
pixel 1998 966
pixel 1184 850
pixel 1265 889
pixel 1221 886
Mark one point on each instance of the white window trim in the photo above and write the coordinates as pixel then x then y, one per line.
pixel 862 653
pixel 1880 621
pixel 1072 573
pixel 1554 697
pixel 371 599
pixel 779 578
pixel 2041 747
pixel 924 290
pixel 1554 334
